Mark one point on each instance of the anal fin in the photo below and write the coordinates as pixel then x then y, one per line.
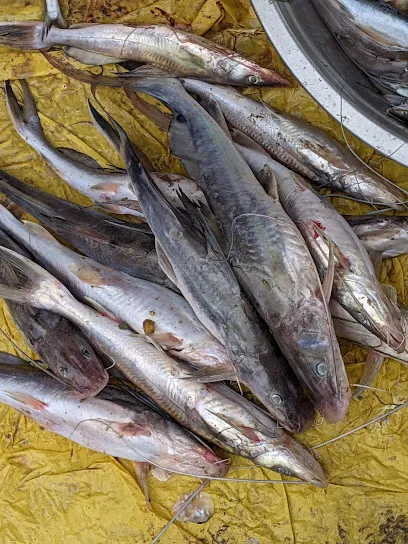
pixel 165 264
pixel 372 367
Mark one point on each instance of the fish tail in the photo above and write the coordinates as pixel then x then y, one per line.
pixel 25 118
pixel 35 286
pixel 30 199
pixel 23 35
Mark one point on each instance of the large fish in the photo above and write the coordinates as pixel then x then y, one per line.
pixel 142 305
pixel 167 49
pixel 109 423
pixel 128 247
pixel 355 284
pixel 213 411
pixel 60 346
pixel 107 188
pixel 300 146
pixel 264 247
pixel 385 234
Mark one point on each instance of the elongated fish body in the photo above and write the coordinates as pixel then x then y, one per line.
pixel 128 247
pixel 355 284
pixel 64 350
pixel 143 306
pixel 127 430
pixel 385 234
pixel 376 19
pixel 265 249
pixel 168 49
pixel 299 146
pixel 212 411
pixel 108 189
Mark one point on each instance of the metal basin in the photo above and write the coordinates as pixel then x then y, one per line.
pixel 315 58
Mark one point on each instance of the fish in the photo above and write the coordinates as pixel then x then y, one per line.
pixel 143 306
pixel 107 188
pixel 53 15
pixel 129 247
pixel 355 284
pixel 265 249
pixel 60 345
pixel 109 423
pixel 212 410
pixel 163 49
pixel 400 5
pixel 300 146
pixel 384 234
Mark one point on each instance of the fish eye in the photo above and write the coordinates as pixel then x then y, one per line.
pixel 63 370
pixel 277 399
pixel 321 370
pixel 253 79
pixel 86 353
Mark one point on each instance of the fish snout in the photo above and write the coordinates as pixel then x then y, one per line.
pixel 334 409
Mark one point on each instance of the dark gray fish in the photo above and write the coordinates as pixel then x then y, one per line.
pixel 65 350
pixel 128 247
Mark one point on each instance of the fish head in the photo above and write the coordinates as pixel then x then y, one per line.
pixel 290 458
pixel 244 73
pixel 77 365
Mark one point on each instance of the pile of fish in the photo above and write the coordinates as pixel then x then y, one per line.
pixel 241 272
pixel 374 33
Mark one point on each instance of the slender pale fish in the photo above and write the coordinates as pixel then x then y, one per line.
pixel 213 411
pixel 385 234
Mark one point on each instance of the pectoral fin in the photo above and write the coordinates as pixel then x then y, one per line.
pixel 372 367
pixel 141 469
pixel 165 264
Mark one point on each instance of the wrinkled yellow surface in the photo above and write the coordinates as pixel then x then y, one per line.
pixel 53 491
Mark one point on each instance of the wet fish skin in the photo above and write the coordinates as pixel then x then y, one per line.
pixel 301 147
pixel 386 234
pixel 64 350
pixel 355 283
pixel 162 47
pixel 134 302
pixel 213 411
pixel 128 430
pixel 265 249
pixel 128 247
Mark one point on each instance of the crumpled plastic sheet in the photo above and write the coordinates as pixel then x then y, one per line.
pixel 52 490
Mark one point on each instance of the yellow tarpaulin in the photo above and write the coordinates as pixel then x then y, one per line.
pixel 53 491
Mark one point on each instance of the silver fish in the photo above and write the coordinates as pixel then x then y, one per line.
pixel 164 48
pixel 213 411
pixel 300 146
pixel 53 15
pixel 385 234
pixel 130 430
pixel 142 305
pixel 60 346
pixel 355 283
pixel 108 189
pixel 264 247
pixel 128 247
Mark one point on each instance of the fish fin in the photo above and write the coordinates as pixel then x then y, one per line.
pixel 89 58
pixel 146 70
pixel 164 263
pixel 23 35
pixel 105 128
pixel 208 374
pixel 200 216
pixel 28 400
pixel 376 259
pixel 327 285
pixel 24 117
pixel 243 140
pixel 181 145
pixel 159 118
pixel 39 230
pixel 37 288
pixel 80 158
pixel 341 260
pixel 99 308
pixel 267 179
pixel 141 470
pixel 211 105
pixel 372 367
pixel 390 292
pixel 8 359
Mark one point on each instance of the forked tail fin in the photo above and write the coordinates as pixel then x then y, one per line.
pixel 23 35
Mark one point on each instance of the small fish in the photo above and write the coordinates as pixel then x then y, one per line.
pixel 107 188
pixel 301 147
pixel 355 283
pixel 142 305
pixel 212 411
pixel 166 50
pixel 385 234
pixel 60 346
pixel 109 423
pixel 128 247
